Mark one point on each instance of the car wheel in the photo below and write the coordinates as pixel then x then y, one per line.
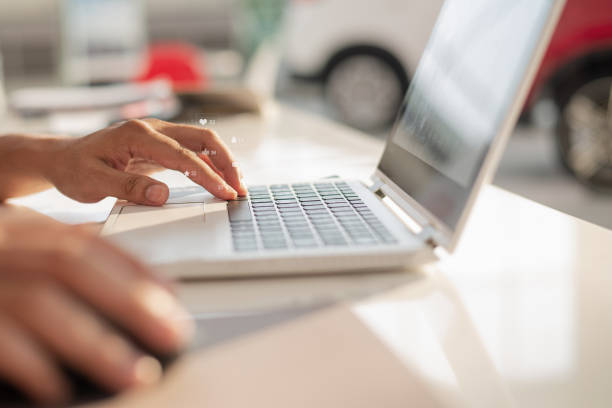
pixel 584 132
pixel 365 91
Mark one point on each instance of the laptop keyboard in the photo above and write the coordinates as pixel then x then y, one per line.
pixel 304 216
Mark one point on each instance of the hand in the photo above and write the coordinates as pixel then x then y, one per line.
pixel 63 292
pixel 105 163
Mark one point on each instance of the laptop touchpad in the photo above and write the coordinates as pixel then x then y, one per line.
pixel 135 217
pixel 174 232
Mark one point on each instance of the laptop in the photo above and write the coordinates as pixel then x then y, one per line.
pixel 461 106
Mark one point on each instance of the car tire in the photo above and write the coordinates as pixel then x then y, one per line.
pixel 584 129
pixel 365 89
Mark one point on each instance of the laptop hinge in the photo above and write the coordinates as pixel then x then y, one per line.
pixel 424 231
pixel 428 236
pixel 376 188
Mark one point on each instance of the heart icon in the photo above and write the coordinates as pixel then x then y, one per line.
pixel 203 121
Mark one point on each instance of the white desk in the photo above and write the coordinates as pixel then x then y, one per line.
pixel 521 315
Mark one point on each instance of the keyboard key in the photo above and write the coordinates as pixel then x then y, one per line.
pixel 286 216
pixel 245 246
pixel 343 210
pixel 284 206
pixel 299 231
pixel 270 228
pixel 360 233
pixel 365 241
pixel 239 211
pixel 328 231
pixel 305 243
pixel 370 218
pixel 316 212
pixel 275 246
pixel 364 211
pixel 263 206
pixel 240 223
pixel 290 210
pixel 273 240
pixel 261 214
pixel 296 224
pixel 340 242
pixel 245 243
pixel 323 223
pixel 245 249
pixel 331 235
pixel 294 218
pixel 339 205
pixel 314 206
pixel 268 220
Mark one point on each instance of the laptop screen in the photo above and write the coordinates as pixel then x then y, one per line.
pixel 463 90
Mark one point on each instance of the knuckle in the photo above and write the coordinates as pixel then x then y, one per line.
pixel 129 185
pixel 154 122
pixel 135 125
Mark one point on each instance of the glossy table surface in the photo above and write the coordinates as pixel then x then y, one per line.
pixel 520 315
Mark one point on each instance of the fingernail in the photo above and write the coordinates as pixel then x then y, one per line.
pixel 226 187
pixel 156 194
pixel 146 371
pixel 233 192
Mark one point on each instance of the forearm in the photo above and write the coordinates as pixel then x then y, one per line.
pixel 24 161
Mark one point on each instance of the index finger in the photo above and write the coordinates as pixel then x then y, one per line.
pixel 149 143
pixel 204 141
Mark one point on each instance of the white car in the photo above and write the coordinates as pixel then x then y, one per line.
pixel 364 51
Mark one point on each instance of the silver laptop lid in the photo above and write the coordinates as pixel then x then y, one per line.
pixel 463 102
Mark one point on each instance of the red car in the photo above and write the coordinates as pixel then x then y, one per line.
pixel 577 75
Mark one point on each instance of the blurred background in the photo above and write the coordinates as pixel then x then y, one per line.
pixel 75 65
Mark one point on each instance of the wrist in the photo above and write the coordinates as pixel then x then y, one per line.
pixel 32 156
pixel 47 152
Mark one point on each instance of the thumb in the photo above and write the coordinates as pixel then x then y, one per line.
pixel 135 188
